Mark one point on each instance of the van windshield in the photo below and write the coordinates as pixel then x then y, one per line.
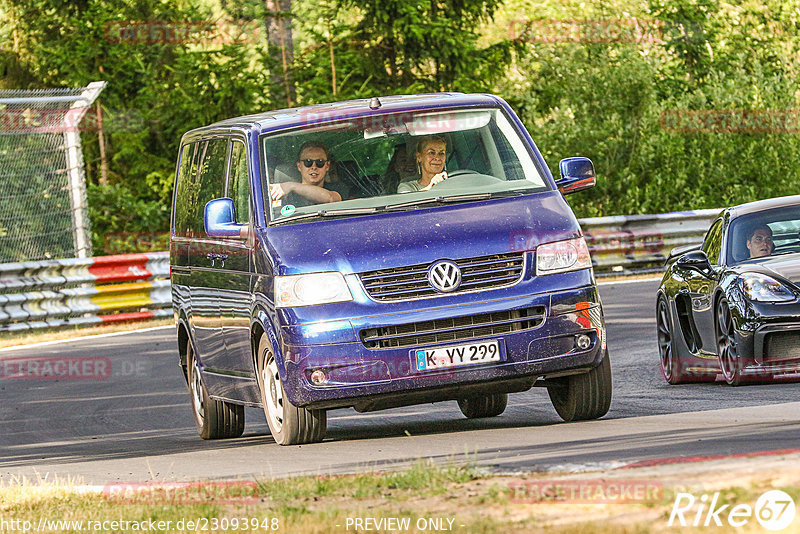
pixel 394 162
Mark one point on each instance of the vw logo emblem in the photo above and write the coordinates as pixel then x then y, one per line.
pixel 444 276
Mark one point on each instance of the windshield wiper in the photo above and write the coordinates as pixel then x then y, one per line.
pixel 442 199
pixel 411 204
pixel 509 193
pixel 438 200
pixel 328 213
pixel 347 211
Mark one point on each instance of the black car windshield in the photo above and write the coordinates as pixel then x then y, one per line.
pixel 764 233
pixel 395 161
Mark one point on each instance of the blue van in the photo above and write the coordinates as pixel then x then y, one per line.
pixel 380 253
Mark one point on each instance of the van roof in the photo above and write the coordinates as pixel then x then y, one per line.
pixel 300 116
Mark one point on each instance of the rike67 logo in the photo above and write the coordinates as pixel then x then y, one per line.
pixel 774 510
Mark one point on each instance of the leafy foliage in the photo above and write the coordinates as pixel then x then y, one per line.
pixel 611 101
pixel 397 46
pixel 618 104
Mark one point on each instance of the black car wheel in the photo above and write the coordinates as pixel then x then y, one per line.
pixel 727 351
pixel 671 365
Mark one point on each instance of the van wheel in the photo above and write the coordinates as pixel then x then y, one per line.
pixel 289 424
pixel 584 396
pixel 215 419
pixel 483 406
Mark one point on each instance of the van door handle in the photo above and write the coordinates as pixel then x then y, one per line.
pixel 214 257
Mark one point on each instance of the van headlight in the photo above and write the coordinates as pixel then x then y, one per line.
pixel 763 288
pixel 562 256
pixel 311 289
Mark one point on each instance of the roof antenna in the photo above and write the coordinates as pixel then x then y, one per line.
pixel 374 103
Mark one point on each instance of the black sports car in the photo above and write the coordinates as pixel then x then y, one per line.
pixel 731 306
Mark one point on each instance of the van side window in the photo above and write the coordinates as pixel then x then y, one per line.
pixel 238 182
pixel 212 156
pixel 187 188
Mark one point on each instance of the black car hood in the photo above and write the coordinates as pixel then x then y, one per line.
pixel 786 266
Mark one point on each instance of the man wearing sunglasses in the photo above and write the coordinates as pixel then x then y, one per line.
pixel 313 164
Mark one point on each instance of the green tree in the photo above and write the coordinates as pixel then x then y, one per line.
pixel 157 90
pixel 616 103
pixel 397 46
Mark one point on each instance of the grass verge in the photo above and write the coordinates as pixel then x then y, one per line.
pixel 425 498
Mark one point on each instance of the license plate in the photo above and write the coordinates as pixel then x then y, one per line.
pixel 456 355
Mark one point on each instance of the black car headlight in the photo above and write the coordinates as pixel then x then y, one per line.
pixel 763 288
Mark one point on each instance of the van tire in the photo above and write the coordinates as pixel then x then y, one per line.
pixel 584 396
pixel 289 424
pixel 483 406
pixel 215 419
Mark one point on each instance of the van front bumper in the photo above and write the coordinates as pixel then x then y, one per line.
pixel 536 335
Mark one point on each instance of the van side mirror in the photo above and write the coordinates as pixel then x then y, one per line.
pixel 219 220
pixel 577 174
pixel 696 261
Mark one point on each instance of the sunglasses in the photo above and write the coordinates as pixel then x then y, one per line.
pixel 319 162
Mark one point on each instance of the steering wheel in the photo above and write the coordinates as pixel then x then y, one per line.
pixel 459 172
pixel 467 179
pixel 791 246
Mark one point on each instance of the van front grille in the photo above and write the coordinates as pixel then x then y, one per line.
pixel 452 329
pixel 411 282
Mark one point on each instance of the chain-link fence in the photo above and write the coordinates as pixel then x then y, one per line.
pixel 43 210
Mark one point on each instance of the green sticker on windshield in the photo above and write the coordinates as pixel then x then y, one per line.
pixel 287 210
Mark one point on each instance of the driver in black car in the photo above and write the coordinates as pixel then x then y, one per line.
pixel 760 242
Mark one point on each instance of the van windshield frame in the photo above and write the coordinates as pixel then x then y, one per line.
pixel 370 156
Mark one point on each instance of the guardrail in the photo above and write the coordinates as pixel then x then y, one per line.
pixel 84 291
pixel 641 243
pixel 131 287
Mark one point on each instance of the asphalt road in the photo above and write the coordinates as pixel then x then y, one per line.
pixel 135 423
